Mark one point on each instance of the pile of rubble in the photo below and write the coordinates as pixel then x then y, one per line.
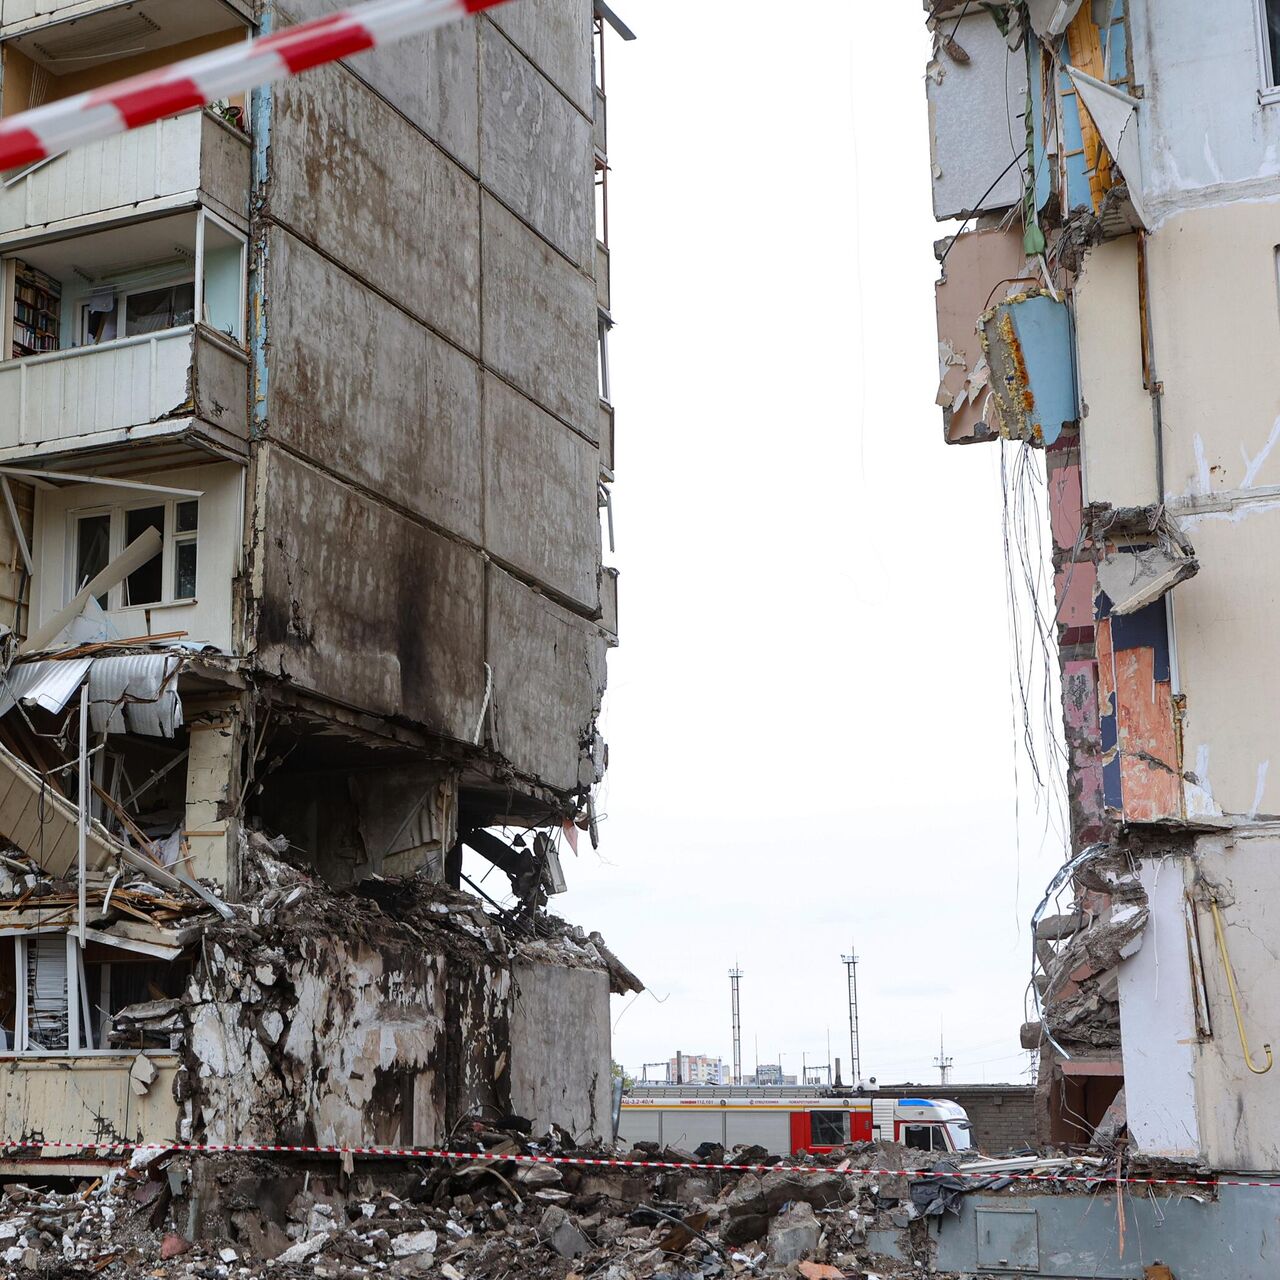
pixel 169 1214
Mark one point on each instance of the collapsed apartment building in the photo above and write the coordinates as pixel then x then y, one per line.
pixel 1110 298
pixel 305 431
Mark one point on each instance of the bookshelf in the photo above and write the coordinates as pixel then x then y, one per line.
pixel 37 311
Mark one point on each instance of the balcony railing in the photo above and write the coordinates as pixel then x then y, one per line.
pixel 70 396
pixel 162 165
pixel 85 1096
pixel 603 290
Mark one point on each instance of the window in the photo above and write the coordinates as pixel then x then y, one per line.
pixel 186 517
pixel 56 998
pixel 100 534
pixel 149 310
pixel 1271 41
pixel 921 1137
pixel 827 1129
pixel 92 549
pixel 144 585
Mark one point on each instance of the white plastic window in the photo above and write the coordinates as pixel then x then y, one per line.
pixel 97 535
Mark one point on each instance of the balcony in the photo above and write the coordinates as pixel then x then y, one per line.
pixel 603 286
pixel 186 160
pixel 125 335
pixel 84 1098
pixel 107 26
pixel 141 387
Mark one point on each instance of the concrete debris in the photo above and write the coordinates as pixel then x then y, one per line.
pixel 793 1235
pixel 242 1217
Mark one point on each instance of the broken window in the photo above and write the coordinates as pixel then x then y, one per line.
pixel 149 310
pixel 168 577
pixel 92 549
pixel 827 1129
pixel 144 585
pixel 98 999
pixel 1271 41
pixel 922 1137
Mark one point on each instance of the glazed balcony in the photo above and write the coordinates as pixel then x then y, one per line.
pixel 183 161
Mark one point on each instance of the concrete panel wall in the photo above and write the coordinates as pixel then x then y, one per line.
pixel 1216 346
pixel 364 606
pixel 1117 427
pixel 554 1010
pixel 432 79
pixel 556 37
pixel 394 407
pixel 1157 1021
pixel 540 511
pixel 354 177
pixel 548 679
pixel 1224 626
pixel 539 320
pixel 535 149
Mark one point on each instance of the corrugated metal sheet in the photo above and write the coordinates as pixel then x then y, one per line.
pixel 43 684
pixel 137 692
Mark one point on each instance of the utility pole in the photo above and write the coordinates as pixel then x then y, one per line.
pixel 735 978
pixel 942 1062
pixel 855 1059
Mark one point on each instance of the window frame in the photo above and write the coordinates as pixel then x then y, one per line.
pixel 839 1118
pixel 1268 74
pixel 170 538
pixel 86 1020
pixel 122 297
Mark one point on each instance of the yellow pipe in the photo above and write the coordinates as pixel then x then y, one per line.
pixel 1235 998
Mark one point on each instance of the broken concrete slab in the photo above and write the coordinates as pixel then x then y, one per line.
pixel 793 1235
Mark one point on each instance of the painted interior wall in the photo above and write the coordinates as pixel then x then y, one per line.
pixel 1239 1121
pixel 1157 1021
pixel 209 617
pixel 1215 322
pixel 1224 627
pixel 1180 59
pixel 1117 428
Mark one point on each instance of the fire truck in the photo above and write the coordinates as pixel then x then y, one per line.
pixel 786 1119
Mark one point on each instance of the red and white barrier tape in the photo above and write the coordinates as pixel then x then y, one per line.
pixel 196 82
pixel 1098 1179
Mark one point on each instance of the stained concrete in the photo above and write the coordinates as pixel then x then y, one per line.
pixel 539 320
pixel 554 1008
pixel 432 79
pixel 351 175
pixel 535 149
pixel 364 606
pixel 541 512
pixel 548 679
pixel 394 408
pixel 556 37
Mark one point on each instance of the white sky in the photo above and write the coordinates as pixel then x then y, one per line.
pixel 809 719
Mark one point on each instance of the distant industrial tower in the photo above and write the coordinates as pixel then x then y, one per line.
pixel 855 1060
pixel 735 977
pixel 942 1062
